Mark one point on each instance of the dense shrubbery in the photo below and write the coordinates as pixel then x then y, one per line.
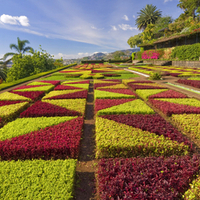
pixel 152 54
pixel 186 52
pixel 27 65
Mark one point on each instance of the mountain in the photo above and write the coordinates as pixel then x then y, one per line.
pixel 100 56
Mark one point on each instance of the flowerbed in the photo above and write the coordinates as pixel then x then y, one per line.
pixel 37 179
pixel 146 178
pixel 117 86
pixel 77 105
pixel 147 93
pixel 37 88
pixel 22 126
pixel 169 108
pixel 8 96
pixel 189 123
pixel 120 91
pixel 60 141
pixel 67 94
pixel 152 123
pixel 44 109
pixel 153 86
pixel 193 83
pixel 9 112
pixel 34 95
pixel 75 82
pixel 119 140
pixel 100 94
pixel 131 107
pixel 106 103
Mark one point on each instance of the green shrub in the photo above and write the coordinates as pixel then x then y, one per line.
pixel 155 76
pixel 186 52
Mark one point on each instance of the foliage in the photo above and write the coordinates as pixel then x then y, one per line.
pixel 9 112
pixel 153 123
pixel 152 54
pixel 119 140
pixel 169 108
pixel 10 84
pixel 34 95
pixel 44 109
pixel 56 142
pixel 27 65
pixel 20 48
pixel 46 89
pixel 99 94
pixel 137 86
pixel 13 97
pixel 106 103
pixel 189 123
pixel 148 15
pixel 148 34
pixel 155 76
pixel 139 55
pixel 193 83
pixel 117 86
pixel 37 179
pixel 145 94
pixel 71 104
pixel 67 94
pixel 168 94
pixel 146 178
pixel 132 107
pixel 135 40
pixel 22 126
pixel 161 23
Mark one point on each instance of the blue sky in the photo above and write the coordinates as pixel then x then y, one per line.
pixel 74 28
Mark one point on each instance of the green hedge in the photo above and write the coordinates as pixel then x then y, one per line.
pixel 23 80
pixel 186 52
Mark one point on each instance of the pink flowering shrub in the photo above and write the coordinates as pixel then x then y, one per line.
pixel 152 54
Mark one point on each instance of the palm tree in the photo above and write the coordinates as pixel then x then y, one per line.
pixel 147 15
pixel 20 48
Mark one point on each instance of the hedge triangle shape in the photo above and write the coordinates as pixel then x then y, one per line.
pixel 133 107
pixel 22 126
pixel 43 109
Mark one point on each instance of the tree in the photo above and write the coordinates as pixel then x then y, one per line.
pixel 20 48
pixel 148 15
pixel 162 22
pixel 189 7
pixel 148 34
pixel 135 40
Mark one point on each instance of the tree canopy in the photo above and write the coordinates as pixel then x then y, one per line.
pixel 148 15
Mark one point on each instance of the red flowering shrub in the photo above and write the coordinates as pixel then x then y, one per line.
pixel 146 178
pixel 153 123
pixel 193 83
pixel 5 103
pixel 74 95
pixel 96 85
pixel 61 141
pixel 66 87
pixel 168 94
pixel 121 91
pixel 135 87
pixel 169 108
pixel 43 109
pixel 152 54
pixel 34 95
pixel 106 103
pixel 51 82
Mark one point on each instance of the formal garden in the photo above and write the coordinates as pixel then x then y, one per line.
pixel 145 134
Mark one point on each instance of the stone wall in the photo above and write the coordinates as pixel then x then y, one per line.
pixel 158 62
pixel 195 64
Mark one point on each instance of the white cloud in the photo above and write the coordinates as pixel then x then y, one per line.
pixel 14 20
pixel 93 27
pixel 125 17
pixel 133 16
pixel 126 27
pixel 114 28
pixel 166 1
